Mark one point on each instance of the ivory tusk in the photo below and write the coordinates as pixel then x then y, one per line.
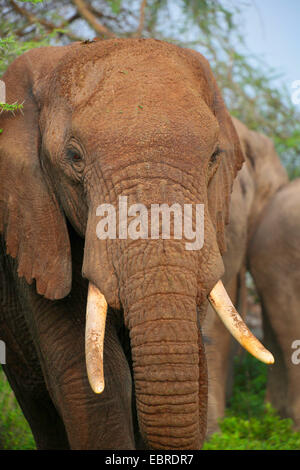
pixel 94 337
pixel 222 304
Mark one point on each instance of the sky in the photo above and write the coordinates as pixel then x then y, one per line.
pixel 272 30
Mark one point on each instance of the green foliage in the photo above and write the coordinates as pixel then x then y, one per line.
pixel 14 429
pixel 289 146
pixel 11 46
pixel 250 423
pixel 267 433
pixel 115 5
pixel 250 379
pixel 11 107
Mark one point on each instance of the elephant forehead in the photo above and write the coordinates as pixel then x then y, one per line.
pixel 135 116
pixel 158 129
pixel 87 75
pixel 78 84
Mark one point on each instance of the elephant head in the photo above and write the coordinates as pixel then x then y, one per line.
pixel 142 119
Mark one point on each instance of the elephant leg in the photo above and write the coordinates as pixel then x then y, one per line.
pixel 274 261
pixel 92 421
pixel 98 421
pixel 219 349
pixel 283 387
pixel 45 423
pixel 22 367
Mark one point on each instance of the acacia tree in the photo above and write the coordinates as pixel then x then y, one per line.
pixel 209 26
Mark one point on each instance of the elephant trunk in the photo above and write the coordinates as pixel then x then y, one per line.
pixel 168 359
pixel 166 373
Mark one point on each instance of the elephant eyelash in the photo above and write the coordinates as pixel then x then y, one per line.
pixel 215 155
pixel 213 163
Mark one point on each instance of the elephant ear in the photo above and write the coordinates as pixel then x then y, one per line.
pixel 265 166
pixel 232 157
pixel 31 220
pixel 231 161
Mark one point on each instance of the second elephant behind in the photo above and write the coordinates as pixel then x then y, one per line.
pixel 274 261
pixel 258 180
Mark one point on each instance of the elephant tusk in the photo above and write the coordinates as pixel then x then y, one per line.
pixel 222 304
pixel 94 337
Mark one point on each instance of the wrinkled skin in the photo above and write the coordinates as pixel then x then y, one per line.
pixel 260 177
pixel 146 119
pixel 274 262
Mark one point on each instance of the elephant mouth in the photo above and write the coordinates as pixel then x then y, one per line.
pixel 95 330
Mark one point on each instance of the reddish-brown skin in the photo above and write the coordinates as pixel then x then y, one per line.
pixel 147 118
pixel 261 176
pixel 274 260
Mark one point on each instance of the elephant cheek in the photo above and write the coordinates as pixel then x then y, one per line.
pixel 97 263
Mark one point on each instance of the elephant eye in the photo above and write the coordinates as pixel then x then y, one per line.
pixel 74 156
pixel 215 155
pixel 214 162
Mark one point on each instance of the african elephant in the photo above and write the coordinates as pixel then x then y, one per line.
pixel 274 261
pixel 260 177
pixel 104 120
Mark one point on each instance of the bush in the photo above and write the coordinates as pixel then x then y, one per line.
pixel 268 432
pixel 250 423
pixel 14 430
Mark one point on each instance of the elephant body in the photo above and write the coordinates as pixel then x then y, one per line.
pixel 46 365
pixel 136 118
pixel 260 177
pixel 274 262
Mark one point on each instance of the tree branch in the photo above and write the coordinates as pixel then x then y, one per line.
pixel 142 19
pixel 100 14
pixel 33 19
pixel 84 11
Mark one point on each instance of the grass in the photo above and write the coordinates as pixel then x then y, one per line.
pixel 14 430
pixel 249 424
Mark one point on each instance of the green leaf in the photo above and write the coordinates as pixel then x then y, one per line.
pixel 30 1
pixel 115 6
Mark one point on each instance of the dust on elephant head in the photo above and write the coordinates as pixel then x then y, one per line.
pixel 140 118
